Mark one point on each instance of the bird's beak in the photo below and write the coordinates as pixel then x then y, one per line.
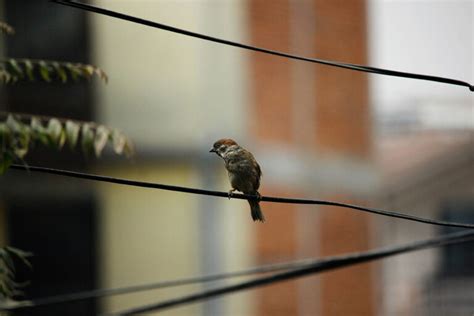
pixel 212 150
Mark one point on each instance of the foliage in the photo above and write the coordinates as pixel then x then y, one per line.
pixel 17 136
pixel 13 70
pixel 19 133
pixel 8 287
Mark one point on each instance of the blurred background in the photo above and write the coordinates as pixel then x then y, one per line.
pixel 317 132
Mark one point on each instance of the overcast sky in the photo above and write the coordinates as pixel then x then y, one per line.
pixel 427 36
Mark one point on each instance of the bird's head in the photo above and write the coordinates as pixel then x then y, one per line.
pixel 221 146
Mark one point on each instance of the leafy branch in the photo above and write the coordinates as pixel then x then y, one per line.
pixel 8 287
pixel 19 69
pixel 20 132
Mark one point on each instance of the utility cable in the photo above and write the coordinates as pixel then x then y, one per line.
pixel 168 187
pixel 97 293
pixel 315 268
pixel 374 70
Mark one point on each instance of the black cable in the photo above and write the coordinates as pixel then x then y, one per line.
pixel 79 296
pixel 167 187
pixel 317 267
pixel 84 295
pixel 355 67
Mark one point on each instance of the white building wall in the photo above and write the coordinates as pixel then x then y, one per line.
pixel 173 94
pixel 168 90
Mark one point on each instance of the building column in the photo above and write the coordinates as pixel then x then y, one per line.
pixel 271 123
pixel 323 113
pixel 343 141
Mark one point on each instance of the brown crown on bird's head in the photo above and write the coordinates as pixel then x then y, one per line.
pixel 224 141
pixel 222 144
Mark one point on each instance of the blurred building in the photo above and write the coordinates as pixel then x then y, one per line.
pixel 424 147
pixel 429 173
pixel 317 132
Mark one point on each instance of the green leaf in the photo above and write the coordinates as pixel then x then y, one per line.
pixel 5 272
pixel 62 138
pixel 5 76
pixel 102 75
pixel 6 157
pixel 13 70
pixel 119 141
pixel 88 70
pixel 13 124
pixel 5 290
pixel 6 160
pixel 8 286
pixel 21 136
pixel 35 124
pixel 74 71
pixel 121 144
pixel 20 254
pixel 60 71
pixel 87 138
pixel 54 131
pixel 16 67
pixel 128 149
pixel 16 137
pixel 101 137
pixel 72 133
pixel 29 69
pixel 22 144
pixel 7 260
pixel 39 132
pixel 44 71
pixel 5 133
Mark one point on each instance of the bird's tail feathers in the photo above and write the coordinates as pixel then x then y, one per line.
pixel 256 211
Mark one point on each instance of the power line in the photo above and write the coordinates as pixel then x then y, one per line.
pixel 175 188
pixel 292 265
pixel 314 268
pixel 355 67
pixel 84 295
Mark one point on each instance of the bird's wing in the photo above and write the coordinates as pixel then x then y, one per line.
pixel 259 174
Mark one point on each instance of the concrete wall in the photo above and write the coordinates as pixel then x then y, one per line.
pixel 167 90
pixel 174 96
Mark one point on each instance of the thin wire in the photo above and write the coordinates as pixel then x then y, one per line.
pixel 84 295
pixel 317 267
pixel 355 67
pixel 68 298
pixel 168 187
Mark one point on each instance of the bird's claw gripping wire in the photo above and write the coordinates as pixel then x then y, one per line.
pixel 258 196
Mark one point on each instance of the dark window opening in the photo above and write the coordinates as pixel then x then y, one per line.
pixel 61 233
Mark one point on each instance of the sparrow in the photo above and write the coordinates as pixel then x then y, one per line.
pixel 243 170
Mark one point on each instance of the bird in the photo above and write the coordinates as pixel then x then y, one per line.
pixel 243 170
